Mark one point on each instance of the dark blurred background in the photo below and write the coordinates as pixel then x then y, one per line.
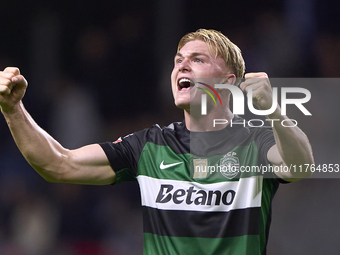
pixel 98 70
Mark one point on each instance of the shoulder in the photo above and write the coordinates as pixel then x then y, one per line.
pixel 157 129
pixel 155 133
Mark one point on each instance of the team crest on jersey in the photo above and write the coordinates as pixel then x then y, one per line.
pixel 200 168
pixel 229 165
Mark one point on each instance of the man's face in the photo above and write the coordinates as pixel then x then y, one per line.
pixel 194 61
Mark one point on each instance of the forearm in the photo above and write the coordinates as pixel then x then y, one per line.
pixel 292 144
pixel 41 151
pixel 86 165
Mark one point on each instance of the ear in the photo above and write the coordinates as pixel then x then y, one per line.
pixel 231 79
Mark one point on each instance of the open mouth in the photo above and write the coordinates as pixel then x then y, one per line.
pixel 184 84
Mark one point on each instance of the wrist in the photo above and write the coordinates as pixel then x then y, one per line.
pixel 11 110
pixel 276 114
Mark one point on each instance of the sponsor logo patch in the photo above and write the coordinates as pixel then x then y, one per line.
pixel 200 166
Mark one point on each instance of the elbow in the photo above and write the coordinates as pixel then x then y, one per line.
pixel 297 169
pixel 52 170
pixel 303 170
pixel 55 178
pixel 49 173
pixel 309 166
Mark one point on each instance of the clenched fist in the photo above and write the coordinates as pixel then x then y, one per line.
pixel 12 88
pixel 262 92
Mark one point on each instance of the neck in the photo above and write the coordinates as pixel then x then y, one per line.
pixel 201 123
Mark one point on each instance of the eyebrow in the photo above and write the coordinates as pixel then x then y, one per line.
pixel 193 54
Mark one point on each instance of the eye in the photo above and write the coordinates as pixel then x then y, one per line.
pixel 198 60
pixel 178 60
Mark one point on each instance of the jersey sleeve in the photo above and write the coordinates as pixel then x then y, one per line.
pixel 265 140
pixel 123 156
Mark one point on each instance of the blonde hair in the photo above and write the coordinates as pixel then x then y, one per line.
pixel 222 45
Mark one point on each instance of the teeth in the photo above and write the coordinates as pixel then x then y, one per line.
pixel 185 80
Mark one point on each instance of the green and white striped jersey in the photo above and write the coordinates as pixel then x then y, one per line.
pixel 195 198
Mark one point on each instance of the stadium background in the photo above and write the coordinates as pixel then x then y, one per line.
pixel 98 70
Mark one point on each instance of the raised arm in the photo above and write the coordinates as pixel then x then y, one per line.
pixel 86 165
pixel 292 145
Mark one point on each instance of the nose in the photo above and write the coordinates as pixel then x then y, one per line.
pixel 184 65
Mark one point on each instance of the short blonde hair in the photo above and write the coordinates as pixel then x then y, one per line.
pixel 222 45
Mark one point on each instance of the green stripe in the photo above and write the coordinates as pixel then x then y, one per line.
pixel 124 175
pixel 152 156
pixel 243 245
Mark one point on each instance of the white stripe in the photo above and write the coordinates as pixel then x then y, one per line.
pixel 248 192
